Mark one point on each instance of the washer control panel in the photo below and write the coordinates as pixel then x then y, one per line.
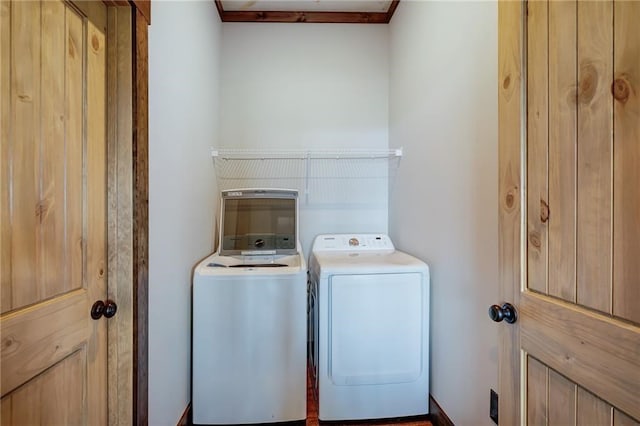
pixel 352 242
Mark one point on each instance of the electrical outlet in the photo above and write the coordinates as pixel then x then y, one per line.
pixel 493 406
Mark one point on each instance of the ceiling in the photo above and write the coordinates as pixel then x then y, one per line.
pixel 307 11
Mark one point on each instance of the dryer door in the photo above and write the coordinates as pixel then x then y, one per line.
pixel 377 328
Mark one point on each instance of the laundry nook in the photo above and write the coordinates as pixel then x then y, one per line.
pixel 273 340
pixel 323 237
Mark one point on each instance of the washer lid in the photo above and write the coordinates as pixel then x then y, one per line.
pixel 259 222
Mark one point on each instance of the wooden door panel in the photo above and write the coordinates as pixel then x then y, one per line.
pixel 537 386
pixel 621 419
pixel 23 154
pixel 42 235
pixel 592 410
pixel 34 340
pixel 53 82
pixel 537 147
pixel 595 351
pixel 52 238
pixel 562 149
pixel 74 125
pixel 5 107
pixel 54 397
pixel 595 72
pixel 552 400
pixel 562 397
pixel 626 190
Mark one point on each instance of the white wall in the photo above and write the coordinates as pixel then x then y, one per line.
pixel 184 50
pixel 443 205
pixel 310 86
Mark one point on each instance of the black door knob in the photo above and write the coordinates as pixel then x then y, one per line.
pixel 97 310
pixel 107 308
pixel 505 312
pixel 110 308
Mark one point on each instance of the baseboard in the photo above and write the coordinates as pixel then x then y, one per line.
pixel 186 419
pixel 438 416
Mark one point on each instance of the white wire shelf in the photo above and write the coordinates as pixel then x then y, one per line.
pixel 352 154
pixel 324 177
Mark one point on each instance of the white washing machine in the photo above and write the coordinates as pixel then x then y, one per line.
pixel 249 315
pixel 369 333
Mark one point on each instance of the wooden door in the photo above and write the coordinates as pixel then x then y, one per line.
pixel 569 110
pixel 53 212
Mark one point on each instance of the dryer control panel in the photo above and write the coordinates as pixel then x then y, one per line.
pixel 352 242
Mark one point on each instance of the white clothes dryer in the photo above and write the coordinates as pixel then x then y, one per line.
pixel 369 328
pixel 249 315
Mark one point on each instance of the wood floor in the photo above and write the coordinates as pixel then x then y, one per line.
pixel 312 415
